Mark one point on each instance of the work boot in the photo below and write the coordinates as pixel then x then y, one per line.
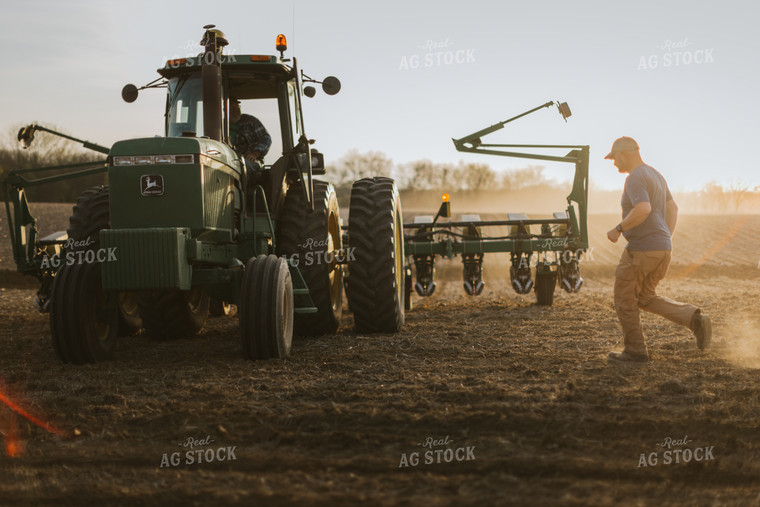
pixel 627 357
pixel 702 328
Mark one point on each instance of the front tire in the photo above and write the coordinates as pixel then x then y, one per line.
pixel 83 318
pixel 266 308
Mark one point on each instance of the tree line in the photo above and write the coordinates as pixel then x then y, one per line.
pixel 731 197
pixel 420 175
pixel 428 175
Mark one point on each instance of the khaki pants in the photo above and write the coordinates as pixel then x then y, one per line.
pixel 636 279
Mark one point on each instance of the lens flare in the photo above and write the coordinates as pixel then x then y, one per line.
pixel 14 447
pixel 29 417
pixel 717 246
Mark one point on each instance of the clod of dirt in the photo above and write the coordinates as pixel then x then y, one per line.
pixel 673 386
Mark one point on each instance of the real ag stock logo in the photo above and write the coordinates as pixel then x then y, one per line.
pixel 320 252
pixel 195 50
pixel 203 453
pixel 70 257
pixel 436 53
pixel 676 453
pixel 436 454
pixel 676 54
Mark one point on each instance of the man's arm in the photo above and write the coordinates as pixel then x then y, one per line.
pixel 671 215
pixel 261 139
pixel 635 217
pixel 253 140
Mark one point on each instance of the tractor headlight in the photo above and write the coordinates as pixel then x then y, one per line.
pixel 154 159
pixel 118 161
pixel 184 159
pixel 164 159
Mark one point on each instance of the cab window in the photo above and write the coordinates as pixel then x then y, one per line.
pixel 185 106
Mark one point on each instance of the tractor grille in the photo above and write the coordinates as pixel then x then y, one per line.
pixel 146 259
pixel 218 195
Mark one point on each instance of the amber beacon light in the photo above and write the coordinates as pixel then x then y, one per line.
pixel 281 43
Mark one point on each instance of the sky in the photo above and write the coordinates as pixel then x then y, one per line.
pixel 678 76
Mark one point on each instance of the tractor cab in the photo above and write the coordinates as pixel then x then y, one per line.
pixel 201 90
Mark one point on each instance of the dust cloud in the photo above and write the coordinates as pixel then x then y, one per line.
pixel 741 341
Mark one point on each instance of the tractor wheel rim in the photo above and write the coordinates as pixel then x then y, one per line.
pixel 398 240
pixel 333 240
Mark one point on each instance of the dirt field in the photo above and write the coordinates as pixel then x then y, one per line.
pixel 516 401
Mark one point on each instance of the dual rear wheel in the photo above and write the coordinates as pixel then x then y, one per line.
pixel 313 241
pixel 376 283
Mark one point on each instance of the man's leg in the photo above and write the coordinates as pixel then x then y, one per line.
pixel 626 304
pixel 654 266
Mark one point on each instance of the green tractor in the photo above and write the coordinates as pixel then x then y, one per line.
pixel 187 228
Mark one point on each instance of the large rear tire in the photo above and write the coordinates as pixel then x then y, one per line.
pixel 314 239
pixel 266 308
pixel 83 318
pixel 168 315
pixel 90 215
pixel 376 270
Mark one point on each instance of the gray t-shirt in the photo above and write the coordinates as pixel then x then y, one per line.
pixel 645 184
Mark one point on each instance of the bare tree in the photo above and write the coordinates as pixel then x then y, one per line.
pixel 479 176
pixel 530 176
pixel 422 175
pixel 738 192
pixel 354 165
pixel 457 177
pixel 714 196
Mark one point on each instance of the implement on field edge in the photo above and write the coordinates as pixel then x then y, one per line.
pixel 557 243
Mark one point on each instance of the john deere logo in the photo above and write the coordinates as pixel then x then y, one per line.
pixel 152 184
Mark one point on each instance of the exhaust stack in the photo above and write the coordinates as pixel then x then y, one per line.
pixel 211 75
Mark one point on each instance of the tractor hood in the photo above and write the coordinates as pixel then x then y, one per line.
pixel 174 182
pixel 144 151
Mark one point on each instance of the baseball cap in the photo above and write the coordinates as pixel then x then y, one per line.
pixel 622 144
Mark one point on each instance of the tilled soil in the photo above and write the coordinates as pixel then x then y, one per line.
pixel 514 404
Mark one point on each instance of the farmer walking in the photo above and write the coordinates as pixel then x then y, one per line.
pixel 649 220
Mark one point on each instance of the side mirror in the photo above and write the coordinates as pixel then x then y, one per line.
pixel 317 162
pixel 129 93
pixel 331 85
pixel 309 91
